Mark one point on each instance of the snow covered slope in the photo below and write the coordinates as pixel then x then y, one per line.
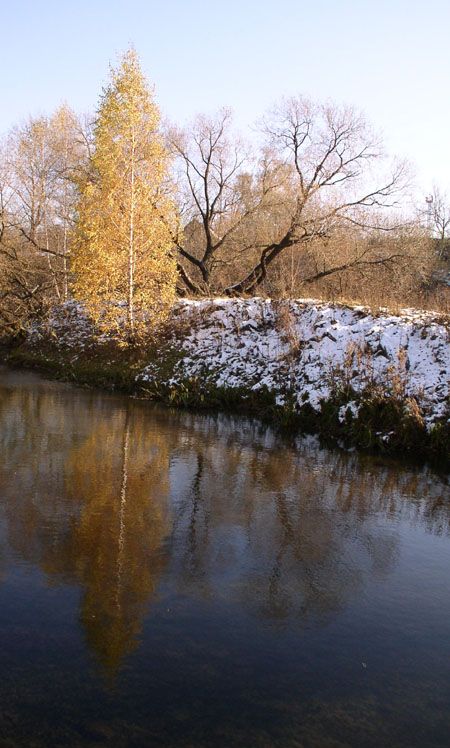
pixel 308 350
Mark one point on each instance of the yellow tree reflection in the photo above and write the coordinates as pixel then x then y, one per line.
pixel 116 545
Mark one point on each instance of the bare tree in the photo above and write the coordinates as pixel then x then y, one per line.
pixel 44 155
pixel 220 189
pixel 318 170
pixel 438 220
pixel 439 213
pixel 37 205
pixel 331 152
pixel 24 280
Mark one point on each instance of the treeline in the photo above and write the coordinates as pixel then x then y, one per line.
pixel 124 214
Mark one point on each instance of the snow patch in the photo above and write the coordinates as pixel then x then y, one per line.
pixel 303 351
pixel 309 348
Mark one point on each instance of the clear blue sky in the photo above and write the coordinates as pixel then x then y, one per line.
pixel 389 58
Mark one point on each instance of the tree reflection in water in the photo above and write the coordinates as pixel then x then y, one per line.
pixel 120 496
pixel 94 511
pixel 117 543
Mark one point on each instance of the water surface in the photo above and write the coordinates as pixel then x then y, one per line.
pixel 169 579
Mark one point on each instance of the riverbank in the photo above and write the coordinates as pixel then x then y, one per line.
pixel 378 382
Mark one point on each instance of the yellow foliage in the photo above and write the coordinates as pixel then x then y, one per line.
pixel 124 272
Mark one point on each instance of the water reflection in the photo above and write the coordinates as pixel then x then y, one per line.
pixel 277 534
pixel 115 547
pixel 119 499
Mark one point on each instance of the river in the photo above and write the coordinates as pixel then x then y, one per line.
pixel 180 580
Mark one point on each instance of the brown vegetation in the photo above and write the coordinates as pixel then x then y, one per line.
pixel 317 210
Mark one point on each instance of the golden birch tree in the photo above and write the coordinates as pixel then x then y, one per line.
pixel 123 270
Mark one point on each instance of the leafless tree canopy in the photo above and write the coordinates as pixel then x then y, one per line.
pixel 39 163
pixel 320 167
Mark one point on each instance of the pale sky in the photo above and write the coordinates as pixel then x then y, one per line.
pixel 388 58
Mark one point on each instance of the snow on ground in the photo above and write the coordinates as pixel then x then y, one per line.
pixel 303 349
pixel 310 348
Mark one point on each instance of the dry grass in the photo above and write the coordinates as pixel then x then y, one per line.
pixel 387 299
